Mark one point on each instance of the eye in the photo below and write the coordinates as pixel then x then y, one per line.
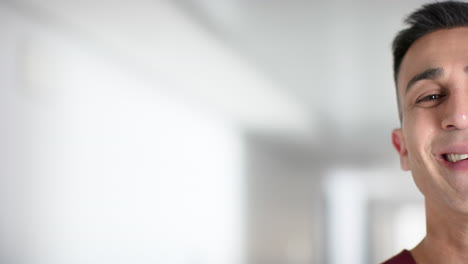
pixel 430 100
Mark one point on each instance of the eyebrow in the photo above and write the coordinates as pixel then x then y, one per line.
pixel 429 74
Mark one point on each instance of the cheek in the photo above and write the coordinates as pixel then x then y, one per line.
pixel 423 118
pixel 418 136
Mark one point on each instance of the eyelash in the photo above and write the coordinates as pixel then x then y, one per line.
pixel 429 98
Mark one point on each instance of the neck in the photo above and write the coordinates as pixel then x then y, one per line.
pixel 446 240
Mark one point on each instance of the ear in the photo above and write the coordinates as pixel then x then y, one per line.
pixel 399 143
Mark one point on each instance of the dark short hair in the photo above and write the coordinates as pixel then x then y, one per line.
pixel 427 19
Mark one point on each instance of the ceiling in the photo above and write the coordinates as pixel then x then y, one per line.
pixel 333 56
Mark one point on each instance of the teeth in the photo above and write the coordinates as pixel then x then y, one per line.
pixel 456 157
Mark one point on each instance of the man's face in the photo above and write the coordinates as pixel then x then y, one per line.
pixel 433 139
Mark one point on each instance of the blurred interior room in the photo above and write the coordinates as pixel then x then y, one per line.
pixel 197 131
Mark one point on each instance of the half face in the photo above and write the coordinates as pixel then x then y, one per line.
pixel 433 139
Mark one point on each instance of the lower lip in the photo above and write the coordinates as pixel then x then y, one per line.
pixel 461 165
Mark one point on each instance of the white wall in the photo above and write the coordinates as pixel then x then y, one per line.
pixel 118 170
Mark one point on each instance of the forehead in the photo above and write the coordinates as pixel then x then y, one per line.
pixel 442 48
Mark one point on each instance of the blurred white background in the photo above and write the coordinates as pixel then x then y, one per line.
pixel 197 131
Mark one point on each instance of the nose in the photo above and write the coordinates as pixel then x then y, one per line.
pixel 456 112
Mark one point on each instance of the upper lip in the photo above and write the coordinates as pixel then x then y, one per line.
pixel 461 148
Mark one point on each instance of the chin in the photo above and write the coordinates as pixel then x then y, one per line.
pixel 459 205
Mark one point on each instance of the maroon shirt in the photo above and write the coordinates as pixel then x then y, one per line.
pixel 404 257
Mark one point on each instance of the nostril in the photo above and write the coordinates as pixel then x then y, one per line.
pixel 449 127
pixel 459 122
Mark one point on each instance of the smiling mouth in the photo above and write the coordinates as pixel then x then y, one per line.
pixel 455 157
